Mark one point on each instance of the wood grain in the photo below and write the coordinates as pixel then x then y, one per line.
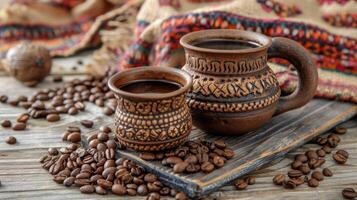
pixel 23 178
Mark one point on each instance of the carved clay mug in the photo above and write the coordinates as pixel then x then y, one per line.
pixel 234 90
pixel 152 113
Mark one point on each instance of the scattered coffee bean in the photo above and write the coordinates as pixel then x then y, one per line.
pixel 289 184
pixel 250 180
pixel 52 151
pixel 3 98
pixel 207 167
pixel 6 123
pixel 340 158
pixel 317 175
pixel 301 157
pixel 53 117
pixel 19 126
pixel 279 179
pixel 218 161
pixel 180 167
pixel 87 123
pixel 57 78
pixel 311 154
pixel 87 189
pixel 23 118
pixel 72 111
pixel 105 129
pixel 240 184
pixel 305 169
pixel 10 140
pixel 327 149
pixel 108 111
pixel 74 137
pixel 327 172
pixel 181 196
pixel 118 189
pixel 295 174
pixel 296 164
pixel 349 193
pixel 321 153
pixel 340 130
pixel 313 182
pixel 343 153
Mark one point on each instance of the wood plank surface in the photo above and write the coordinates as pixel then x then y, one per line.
pixel 23 178
pixel 255 149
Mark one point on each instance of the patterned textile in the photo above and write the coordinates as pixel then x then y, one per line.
pixel 325 27
pixel 63 26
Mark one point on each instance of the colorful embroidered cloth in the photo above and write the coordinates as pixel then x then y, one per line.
pixel 325 27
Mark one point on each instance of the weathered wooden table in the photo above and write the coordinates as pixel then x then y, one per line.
pixel 22 177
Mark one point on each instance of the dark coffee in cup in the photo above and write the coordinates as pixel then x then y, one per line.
pixel 225 44
pixel 150 86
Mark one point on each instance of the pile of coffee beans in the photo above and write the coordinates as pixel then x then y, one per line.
pixel 96 170
pixel 307 167
pixel 70 99
pixel 194 156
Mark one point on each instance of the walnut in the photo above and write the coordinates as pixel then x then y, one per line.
pixel 28 63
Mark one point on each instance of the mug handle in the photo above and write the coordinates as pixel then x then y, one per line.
pixel 298 56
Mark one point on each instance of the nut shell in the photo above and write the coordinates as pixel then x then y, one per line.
pixel 28 63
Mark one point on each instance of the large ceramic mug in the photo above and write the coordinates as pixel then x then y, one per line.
pixel 234 90
pixel 152 114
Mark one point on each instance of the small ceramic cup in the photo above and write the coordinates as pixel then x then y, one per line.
pixel 152 114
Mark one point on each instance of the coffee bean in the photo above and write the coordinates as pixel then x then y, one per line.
pixel 240 184
pixel 289 184
pixel 142 190
pixel 72 111
pixel 23 118
pixel 52 151
pixel 94 143
pixel 333 140
pixel 349 193
pixel 3 98
pixel 311 154
pixel 87 123
pixel 250 180
pixel 218 161
pixel 296 164
pixel 87 189
pixel 327 172
pixel 180 167
pixel 192 168
pixel 191 159
pixel 228 153
pixel 181 196
pixel 301 157
pixel 153 196
pixel 173 160
pixel 295 174
pixel 343 153
pixel 340 130
pixel 79 106
pixel 221 144
pixel 150 178
pixel 298 181
pixel 53 117
pixel 317 175
pixel 105 129
pixel 327 149
pixel 207 167
pixel 74 137
pixel 313 182
pixel 68 182
pixel 108 111
pixel 100 190
pixel 321 153
pixel 279 179
pixel 10 140
pixel 13 102
pixel 57 78
pixel 103 137
pixel 339 158
pixel 6 123
pixel 19 126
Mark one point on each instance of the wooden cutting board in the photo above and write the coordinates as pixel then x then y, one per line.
pixel 253 150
